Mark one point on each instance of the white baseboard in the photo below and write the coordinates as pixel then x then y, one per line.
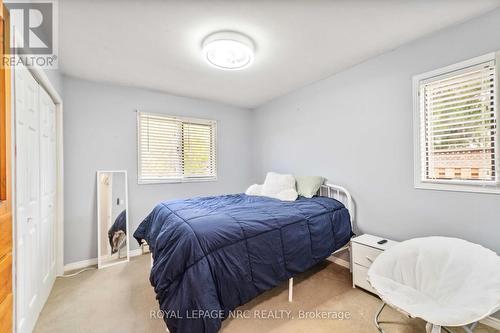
pixel 136 252
pixel 80 264
pixel 93 262
pixel 339 261
pixel 491 322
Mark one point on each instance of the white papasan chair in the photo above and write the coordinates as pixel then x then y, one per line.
pixel 444 281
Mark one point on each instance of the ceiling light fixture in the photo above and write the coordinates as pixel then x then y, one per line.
pixel 228 50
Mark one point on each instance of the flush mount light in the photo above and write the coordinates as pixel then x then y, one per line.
pixel 228 50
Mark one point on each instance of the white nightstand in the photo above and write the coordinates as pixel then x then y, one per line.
pixel 364 250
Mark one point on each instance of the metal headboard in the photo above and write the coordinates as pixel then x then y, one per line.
pixel 341 194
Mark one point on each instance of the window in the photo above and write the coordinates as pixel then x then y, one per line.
pixel 456 114
pixel 173 149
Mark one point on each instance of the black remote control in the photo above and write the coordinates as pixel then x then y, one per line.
pixel 383 241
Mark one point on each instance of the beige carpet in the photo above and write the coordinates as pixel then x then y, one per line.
pixel 119 299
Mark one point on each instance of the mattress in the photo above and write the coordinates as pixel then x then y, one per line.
pixel 213 254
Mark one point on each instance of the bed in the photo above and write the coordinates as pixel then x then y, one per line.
pixel 213 254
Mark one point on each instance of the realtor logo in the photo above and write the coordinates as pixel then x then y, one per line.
pixel 33 33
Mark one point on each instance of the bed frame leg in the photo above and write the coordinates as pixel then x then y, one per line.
pixel 377 316
pixel 290 290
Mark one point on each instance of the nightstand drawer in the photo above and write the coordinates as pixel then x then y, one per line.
pixel 364 255
pixel 360 276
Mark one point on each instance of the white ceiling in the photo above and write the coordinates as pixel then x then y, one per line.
pixel 156 44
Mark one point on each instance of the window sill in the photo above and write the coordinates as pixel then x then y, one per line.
pixel 176 181
pixel 456 187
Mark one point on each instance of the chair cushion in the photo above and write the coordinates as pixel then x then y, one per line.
pixel 445 281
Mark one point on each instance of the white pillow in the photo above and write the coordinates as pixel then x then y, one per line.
pixel 276 183
pixel 275 186
pixel 280 187
pixel 255 189
pixel 287 195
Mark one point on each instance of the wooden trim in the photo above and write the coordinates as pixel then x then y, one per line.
pixel 6 315
pixel 5 233
pixel 4 50
pixel 5 276
pixel 6 292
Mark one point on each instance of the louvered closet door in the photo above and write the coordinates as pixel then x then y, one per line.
pixel 47 191
pixel 27 198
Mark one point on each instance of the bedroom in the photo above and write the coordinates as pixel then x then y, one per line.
pixel 289 130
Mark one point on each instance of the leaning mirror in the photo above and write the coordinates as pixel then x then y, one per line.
pixel 112 218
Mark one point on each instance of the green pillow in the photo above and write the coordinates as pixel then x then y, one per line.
pixel 308 186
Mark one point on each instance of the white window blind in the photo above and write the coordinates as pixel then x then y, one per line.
pixel 458 124
pixel 173 149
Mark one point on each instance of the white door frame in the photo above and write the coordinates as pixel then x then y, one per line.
pixel 42 78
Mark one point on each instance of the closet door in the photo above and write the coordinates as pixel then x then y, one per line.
pixel 36 197
pixel 27 199
pixel 47 191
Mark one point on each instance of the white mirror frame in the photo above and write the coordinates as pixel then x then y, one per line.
pixel 99 263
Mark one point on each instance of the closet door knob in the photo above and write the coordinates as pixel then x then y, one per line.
pixel 29 219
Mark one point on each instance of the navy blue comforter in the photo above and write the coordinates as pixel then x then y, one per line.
pixel 213 254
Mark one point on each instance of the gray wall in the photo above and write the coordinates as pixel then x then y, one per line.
pixel 100 133
pixel 355 128
pixel 55 79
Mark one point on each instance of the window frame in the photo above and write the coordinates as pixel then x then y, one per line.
pixel 476 186
pixel 211 122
